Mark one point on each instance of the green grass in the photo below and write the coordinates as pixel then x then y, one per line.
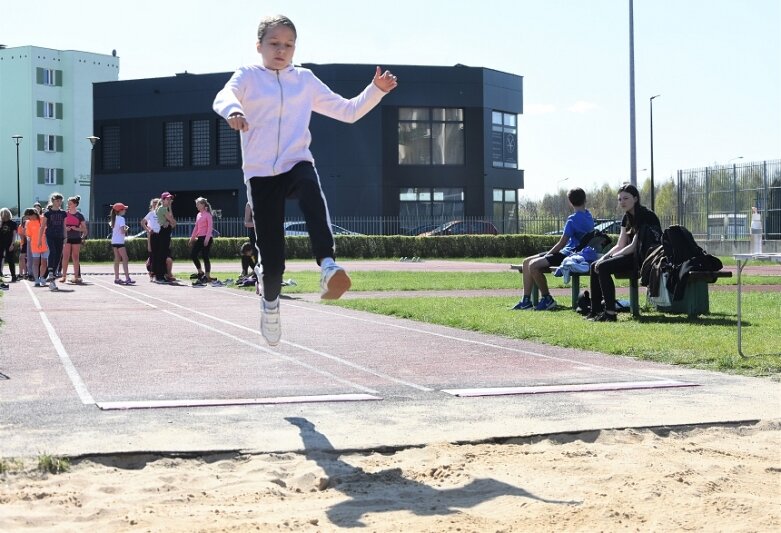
pixel 708 342
pixel 53 464
pixel 375 280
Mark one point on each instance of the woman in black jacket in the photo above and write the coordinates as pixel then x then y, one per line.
pixel 640 232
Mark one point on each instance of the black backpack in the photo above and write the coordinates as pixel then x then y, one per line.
pixel 679 245
pixel 595 238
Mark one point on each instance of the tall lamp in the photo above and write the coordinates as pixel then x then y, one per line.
pixel 651 103
pixel 92 139
pixel 17 139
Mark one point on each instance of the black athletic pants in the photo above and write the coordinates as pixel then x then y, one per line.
pixel 199 248
pixel 602 284
pixel 267 198
pixel 161 244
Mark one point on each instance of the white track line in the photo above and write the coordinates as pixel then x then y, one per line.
pixel 243 341
pixel 73 374
pixel 294 345
pixel 326 310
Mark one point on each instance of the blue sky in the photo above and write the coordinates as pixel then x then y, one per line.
pixel 716 64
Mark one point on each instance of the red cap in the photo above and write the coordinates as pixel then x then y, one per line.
pixel 119 206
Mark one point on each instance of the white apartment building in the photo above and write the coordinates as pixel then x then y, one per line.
pixel 46 98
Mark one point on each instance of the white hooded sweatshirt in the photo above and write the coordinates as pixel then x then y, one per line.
pixel 278 106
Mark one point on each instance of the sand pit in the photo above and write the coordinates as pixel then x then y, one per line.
pixel 709 478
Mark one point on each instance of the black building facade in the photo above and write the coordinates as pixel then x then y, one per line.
pixel 443 144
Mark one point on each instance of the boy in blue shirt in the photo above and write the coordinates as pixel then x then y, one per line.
pixel 535 267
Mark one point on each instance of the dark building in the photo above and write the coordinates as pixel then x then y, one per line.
pixel 442 145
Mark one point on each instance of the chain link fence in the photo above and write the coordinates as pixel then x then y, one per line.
pixel 715 203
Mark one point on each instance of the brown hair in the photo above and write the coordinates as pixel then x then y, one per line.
pixel 275 20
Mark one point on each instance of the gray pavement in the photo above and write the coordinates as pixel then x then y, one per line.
pixel 106 369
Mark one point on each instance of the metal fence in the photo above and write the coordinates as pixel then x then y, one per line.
pixel 715 202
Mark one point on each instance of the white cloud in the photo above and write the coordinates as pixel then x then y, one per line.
pixel 581 106
pixel 539 109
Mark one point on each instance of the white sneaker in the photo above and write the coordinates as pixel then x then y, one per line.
pixel 50 277
pixel 334 282
pixel 53 286
pixel 270 327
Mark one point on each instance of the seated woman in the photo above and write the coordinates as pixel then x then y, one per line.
pixel 640 232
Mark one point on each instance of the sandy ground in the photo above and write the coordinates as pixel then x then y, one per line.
pixel 702 478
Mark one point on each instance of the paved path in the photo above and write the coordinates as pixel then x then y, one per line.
pixel 107 369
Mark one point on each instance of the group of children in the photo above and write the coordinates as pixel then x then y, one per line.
pixel 47 241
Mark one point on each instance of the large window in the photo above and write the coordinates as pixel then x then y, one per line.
pixel 431 136
pixel 110 144
pixel 174 144
pixel 429 205
pixel 504 140
pixel 227 144
pixel 200 150
pixel 506 210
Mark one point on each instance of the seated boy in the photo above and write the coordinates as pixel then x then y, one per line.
pixel 247 259
pixel 534 268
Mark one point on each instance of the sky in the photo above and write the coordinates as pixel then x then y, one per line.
pixel 716 65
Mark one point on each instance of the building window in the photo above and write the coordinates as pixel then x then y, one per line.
pixel 200 152
pixel 504 140
pixel 420 206
pixel 48 76
pixel 110 147
pixel 50 176
pixel 431 136
pixel 49 143
pixel 174 144
pixel 48 109
pixel 506 210
pixel 227 145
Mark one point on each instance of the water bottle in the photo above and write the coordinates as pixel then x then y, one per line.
pixel 756 231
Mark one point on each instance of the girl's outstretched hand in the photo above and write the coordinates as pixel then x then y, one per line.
pixel 385 81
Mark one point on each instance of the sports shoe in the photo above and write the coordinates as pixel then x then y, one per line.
pixel 524 304
pixel 119 282
pixel 546 303
pixel 269 322
pixel 334 282
pixel 199 282
pixel 195 276
pixel 129 281
pixel 606 317
pixel 53 285
pixel 4 286
pixel 50 277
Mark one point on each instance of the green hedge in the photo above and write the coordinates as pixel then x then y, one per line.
pixel 357 246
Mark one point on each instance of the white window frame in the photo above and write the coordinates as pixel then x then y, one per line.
pixel 50 176
pixel 49 76
pixel 49 143
pixel 49 110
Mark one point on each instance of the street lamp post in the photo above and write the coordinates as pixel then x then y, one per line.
pixel 651 103
pixel 92 139
pixel 18 138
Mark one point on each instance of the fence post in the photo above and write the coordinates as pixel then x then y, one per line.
pixel 734 203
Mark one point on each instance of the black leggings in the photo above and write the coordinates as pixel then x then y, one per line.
pixel 602 285
pixel 200 249
pixel 267 197
pixel 161 246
